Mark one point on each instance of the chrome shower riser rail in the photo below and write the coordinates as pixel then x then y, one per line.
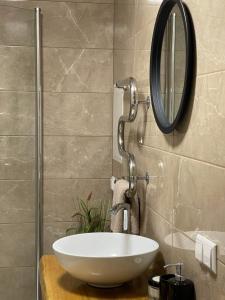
pixel 129 85
pixel 38 152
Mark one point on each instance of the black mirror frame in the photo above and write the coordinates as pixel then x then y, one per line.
pixel 155 61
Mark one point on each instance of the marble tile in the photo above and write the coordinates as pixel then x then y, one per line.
pixel 141 70
pixel 127 2
pixel 16 201
pixel 199 204
pixel 144 25
pixel 78 114
pixel 208 20
pixel 202 137
pixel 17 68
pixel 163 167
pixel 17 113
pixel 207 285
pixel 61 196
pixel 73 70
pixel 17 245
pixel 158 229
pixel 52 232
pixel 68 24
pixel 147 2
pixel 16 25
pixel 17 157
pixel 85 1
pixel 117 169
pixel 152 136
pixel 17 283
pixel 78 157
pixel 79 25
pixel 124 26
pixel 123 64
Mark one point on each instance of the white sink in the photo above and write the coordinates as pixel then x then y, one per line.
pixel 105 259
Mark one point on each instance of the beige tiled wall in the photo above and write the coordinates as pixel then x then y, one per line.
pixel 188 193
pixel 78 81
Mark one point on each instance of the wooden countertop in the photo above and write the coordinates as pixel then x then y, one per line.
pixel 57 284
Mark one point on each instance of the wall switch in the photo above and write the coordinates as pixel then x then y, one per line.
pixel 206 252
pixel 198 249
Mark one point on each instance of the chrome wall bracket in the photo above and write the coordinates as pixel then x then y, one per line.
pixel 146 178
pixel 130 85
pixel 147 102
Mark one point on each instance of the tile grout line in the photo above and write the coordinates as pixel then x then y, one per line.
pixel 55 47
pixel 57 135
pixel 54 178
pixel 69 178
pixel 54 92
pixel 17 267
pixel 184 156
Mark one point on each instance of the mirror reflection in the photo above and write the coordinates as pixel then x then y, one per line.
pixel 173 62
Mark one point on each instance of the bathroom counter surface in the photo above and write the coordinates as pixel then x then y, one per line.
pixel 57 284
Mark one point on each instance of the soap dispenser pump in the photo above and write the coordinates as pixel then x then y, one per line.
pixel 178 287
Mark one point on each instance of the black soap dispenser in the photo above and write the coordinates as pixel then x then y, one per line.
pixel 175 286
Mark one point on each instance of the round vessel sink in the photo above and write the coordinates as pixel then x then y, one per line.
pixel 105 259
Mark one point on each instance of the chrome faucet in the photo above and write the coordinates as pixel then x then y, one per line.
pixel 126 214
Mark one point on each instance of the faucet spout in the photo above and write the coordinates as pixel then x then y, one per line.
pixel 126 214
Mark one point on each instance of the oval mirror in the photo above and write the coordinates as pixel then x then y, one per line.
pixel 172 64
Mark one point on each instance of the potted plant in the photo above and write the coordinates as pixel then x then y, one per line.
pixel 89 218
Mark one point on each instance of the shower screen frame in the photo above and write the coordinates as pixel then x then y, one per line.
pixel 38 150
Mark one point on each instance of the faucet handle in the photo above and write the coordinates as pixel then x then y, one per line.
pixel 117 207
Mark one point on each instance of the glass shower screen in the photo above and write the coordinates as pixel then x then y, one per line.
pixel 19 144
